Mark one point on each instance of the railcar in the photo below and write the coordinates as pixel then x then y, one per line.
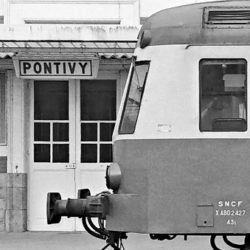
pixel 181 144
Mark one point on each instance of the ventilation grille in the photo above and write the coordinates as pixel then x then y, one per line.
pixel 227 17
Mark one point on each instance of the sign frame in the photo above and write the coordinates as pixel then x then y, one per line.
pixel 62 68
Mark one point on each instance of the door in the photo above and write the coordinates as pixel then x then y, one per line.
pixel 96 120
pixel 52 150
pixel 72 124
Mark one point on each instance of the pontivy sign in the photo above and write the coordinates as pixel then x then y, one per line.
pixel 57 69
pixel 79 68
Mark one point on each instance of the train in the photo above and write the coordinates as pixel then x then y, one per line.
pixel 181 143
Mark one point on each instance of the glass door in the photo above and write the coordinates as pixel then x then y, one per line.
pixel 53 150
pixel 96 119
pixel 71 143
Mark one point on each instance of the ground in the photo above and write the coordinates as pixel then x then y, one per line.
pixel 83 241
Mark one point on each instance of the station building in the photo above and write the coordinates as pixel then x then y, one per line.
pixel 63 68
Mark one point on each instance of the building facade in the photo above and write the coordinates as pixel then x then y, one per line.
pixel 63 68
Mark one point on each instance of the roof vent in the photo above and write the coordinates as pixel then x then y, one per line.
pixel 226 17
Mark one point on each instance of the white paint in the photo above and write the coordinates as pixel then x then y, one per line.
pixel 3 150
pixel 1 7
pixel 228 203
pixel 15 105
pixel 171 95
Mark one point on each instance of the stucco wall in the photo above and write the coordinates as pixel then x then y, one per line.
pixel 76 11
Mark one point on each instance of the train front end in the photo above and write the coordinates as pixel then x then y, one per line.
pixel 181 144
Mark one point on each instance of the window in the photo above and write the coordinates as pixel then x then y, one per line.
pixel 134 97
pixel 51 121
pixel 98 115
pixel 223 95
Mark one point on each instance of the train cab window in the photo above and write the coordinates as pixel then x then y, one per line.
pixel 223 95
pixel 134 97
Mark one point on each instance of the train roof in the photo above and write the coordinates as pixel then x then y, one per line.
pixel 221 22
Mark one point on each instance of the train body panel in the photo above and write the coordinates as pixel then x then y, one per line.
pixel 194 186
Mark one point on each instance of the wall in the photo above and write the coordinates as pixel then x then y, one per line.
pixel 15 180
pixel 57 20
pixel 13 176
pixel 72 11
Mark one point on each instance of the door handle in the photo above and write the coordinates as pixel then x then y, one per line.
pixel 71 166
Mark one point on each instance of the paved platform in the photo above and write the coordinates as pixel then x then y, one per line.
pixel 83 241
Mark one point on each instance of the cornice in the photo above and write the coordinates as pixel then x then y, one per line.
pixel 72 1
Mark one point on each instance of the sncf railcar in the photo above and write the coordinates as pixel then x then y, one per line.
pixel 181 145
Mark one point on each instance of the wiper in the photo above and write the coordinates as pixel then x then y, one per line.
pixel 136 74
pixel 134 101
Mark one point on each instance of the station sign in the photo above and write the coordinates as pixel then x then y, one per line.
pixel 57 69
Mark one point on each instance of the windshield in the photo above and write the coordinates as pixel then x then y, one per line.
pixel 134 97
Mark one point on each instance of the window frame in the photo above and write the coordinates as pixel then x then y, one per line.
pixel 134 64
pixel 220 60
pixel 98 142
pixel 51 142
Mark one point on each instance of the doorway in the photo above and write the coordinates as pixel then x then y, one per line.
pixel 71 133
